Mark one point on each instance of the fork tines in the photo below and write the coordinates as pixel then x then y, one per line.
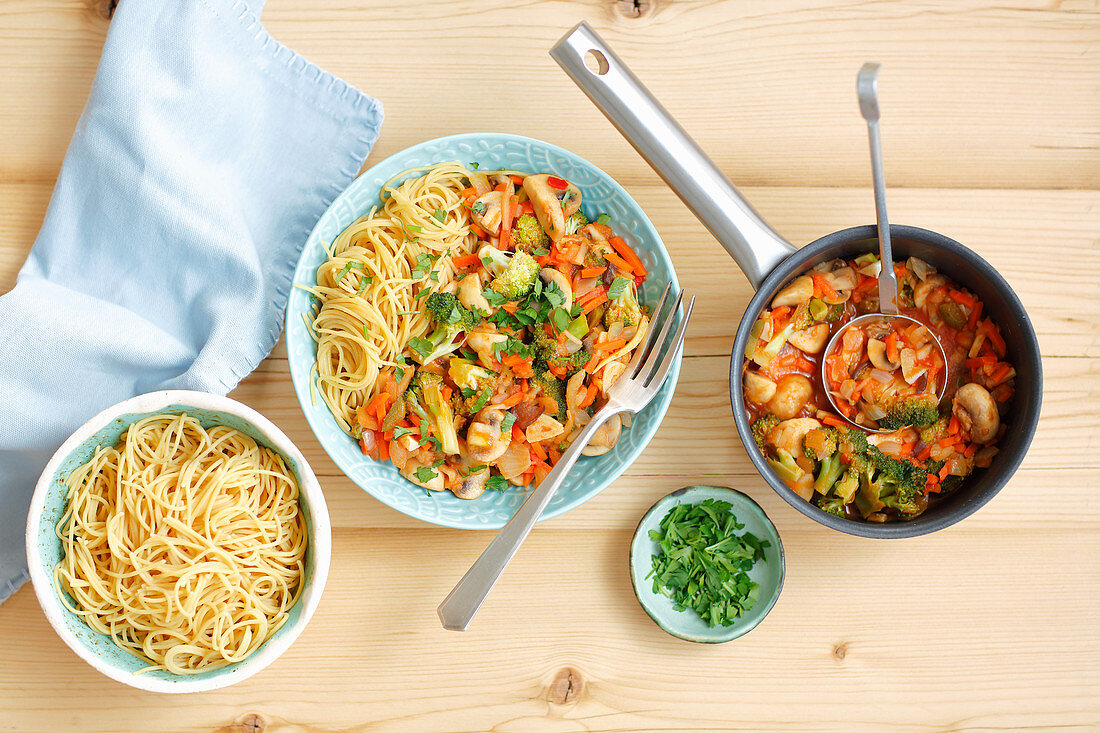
pixel 645 369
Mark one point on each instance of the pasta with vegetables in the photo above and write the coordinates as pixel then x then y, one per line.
pixel 469 328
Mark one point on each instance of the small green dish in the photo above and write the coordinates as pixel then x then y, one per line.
pixel 686 624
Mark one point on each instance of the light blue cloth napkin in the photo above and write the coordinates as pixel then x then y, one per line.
pixel 205 154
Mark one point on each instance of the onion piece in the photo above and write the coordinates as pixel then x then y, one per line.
pixel 873 411
pixel 882 377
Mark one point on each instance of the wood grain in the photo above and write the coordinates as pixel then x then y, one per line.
pixel 992 137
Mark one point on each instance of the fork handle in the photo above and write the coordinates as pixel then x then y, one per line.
pixel 461 605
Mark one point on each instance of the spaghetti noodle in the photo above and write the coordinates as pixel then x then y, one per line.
pixel 183 544
pixel 372 285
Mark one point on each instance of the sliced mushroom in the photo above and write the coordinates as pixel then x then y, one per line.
pixel 810 340
pixel 409 472
pixel 472 485
pixel 470 294
pixel 977 412
pixel 841 279
pixel 910 369
pixel 797 292
pixel 550 275
pixel 484 440
pixel 876 352
pixel 481 340
pixel 758 388
pixel 605 438
pixel 552 205
pixel 926 287
pixel 486 211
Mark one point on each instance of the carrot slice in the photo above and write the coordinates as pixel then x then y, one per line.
pixel 537 452
pixel 628 254
pixel 592 271
pixel 610 344
pixel 514 399
pixel 960 297
pixel 463 261
pixel 618 262
pixel 589 396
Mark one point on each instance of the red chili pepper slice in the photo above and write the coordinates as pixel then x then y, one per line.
pixel 559 183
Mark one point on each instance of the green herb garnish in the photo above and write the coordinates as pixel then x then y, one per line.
pixel 703 563
pixel 604 219
pixel 424 474
pixel 618 288
pixel 496 483
pixel 420 346
pixel 440 215
pixel 507 423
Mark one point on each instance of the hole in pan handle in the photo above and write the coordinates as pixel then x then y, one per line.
pixel 671 152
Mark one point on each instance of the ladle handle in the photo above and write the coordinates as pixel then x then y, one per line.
pixel 665 145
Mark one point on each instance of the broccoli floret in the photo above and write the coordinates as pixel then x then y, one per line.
pixel 575 222
pixel 820 443
pixel 554 388
pixel 527 234
pixel 514 273
pixel 832 505
pixel 827 473
pixel 425 397
pixel 896 472
pixel 785 466
pixel 935 431
pixel 848 484
pixel 451 319
pixel 546 355
pixel 852 441
pixel 474 380
pixel 917 410
pixel 762 427
pixel 624 307
pixel 906 500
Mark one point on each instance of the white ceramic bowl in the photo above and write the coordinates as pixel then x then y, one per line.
pixel 44 547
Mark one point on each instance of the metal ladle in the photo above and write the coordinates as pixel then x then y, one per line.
pixel 867 91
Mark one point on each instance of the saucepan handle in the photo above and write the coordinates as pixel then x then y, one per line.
pixel 665 145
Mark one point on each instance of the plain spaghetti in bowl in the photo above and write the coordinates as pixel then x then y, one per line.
pixel 178 542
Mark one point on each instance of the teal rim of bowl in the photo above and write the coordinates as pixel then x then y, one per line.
pixel 50 551
pixel 491 510
pixel 686 624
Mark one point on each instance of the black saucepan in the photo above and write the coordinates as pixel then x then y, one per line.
pixel 770 262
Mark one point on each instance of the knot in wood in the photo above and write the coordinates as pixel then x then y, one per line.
pixel 250 723
pixel 102 8
pixel 566 688
pixel 634 8
pixel 840 651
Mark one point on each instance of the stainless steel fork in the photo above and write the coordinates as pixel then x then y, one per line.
pixel 634 389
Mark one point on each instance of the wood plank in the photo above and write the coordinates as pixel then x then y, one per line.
pixel 976 94
pixel 1029 236
pixel 846 648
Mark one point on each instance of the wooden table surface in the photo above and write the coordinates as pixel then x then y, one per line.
pixel 992 136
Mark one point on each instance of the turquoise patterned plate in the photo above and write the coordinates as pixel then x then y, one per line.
pixel 491 150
